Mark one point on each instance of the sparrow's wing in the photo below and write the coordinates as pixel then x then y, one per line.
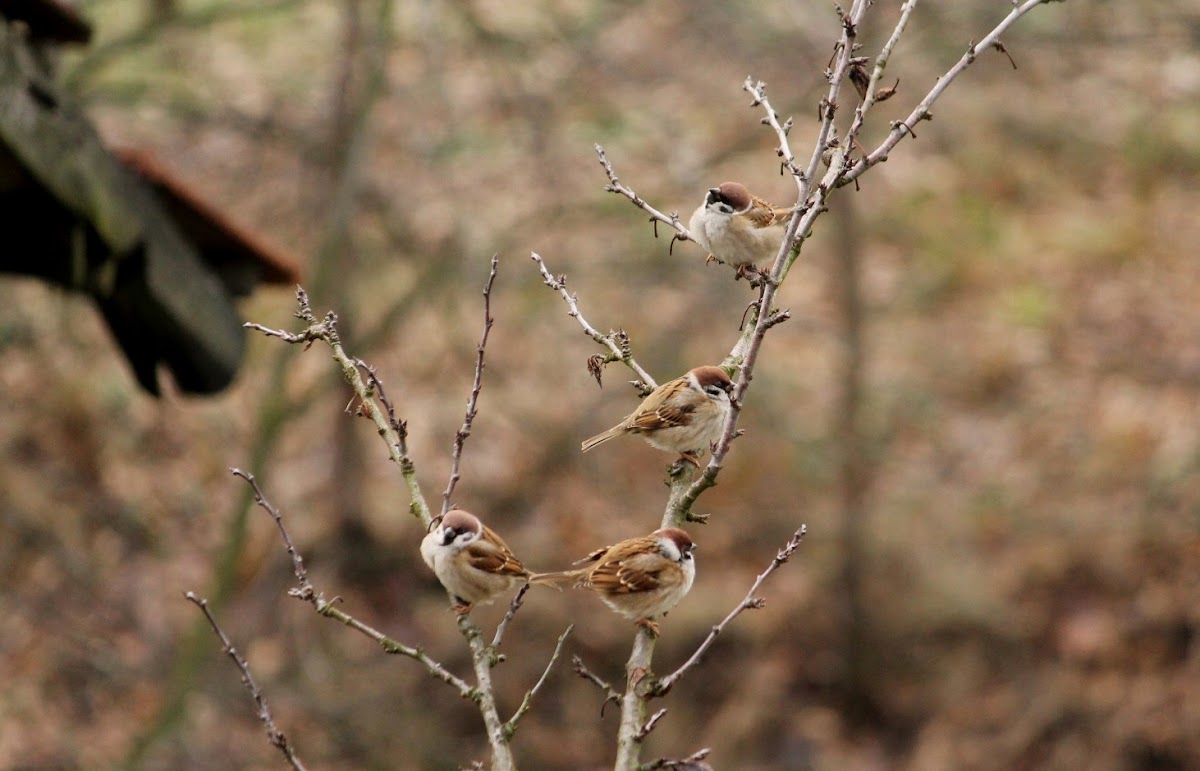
pixel 594 556
pixel 491 555
pixel 763 214
pixel 630 566
pixel 667 407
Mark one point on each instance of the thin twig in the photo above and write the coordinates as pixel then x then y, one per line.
pixel 885 53
pixel 580 669
pixel 308 593
pixel 645 730
pixel 274 735
pixel 921 111
pixel 757 89
pixel 298 568
pixel 473 401
pixel 690 763
pixel 618 352
pixel 510 727
pixel 385 421
pixel 513 607
pixel 615 186
pixel 398 426
pixel 749 602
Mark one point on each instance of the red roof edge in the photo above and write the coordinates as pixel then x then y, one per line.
pixel 278 267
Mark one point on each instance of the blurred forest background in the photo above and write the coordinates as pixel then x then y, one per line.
pixel 996 453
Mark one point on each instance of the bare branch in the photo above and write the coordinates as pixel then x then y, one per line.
pixel 615 186
pixel 610 693
pixel 633 702
pixel 306 592
pixel 276 737
pixel 385 421
pixel 513 607
pixel 527 701
pixel 757 89
pixel 261 500
pixel 645 730
pixel 483 658
pixel 693 762
pixel 885 53
pixel 921 111
pixel 314 331
pixel 616 342
pixel 473 401
pixel 749 602
pixel 398 426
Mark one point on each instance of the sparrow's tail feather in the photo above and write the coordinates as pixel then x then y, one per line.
pixel 558 579
pixel 601 438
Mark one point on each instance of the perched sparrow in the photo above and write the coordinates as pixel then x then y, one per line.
pixel 470 560
pixel 640 578
pixel 737 227
pixel 685 415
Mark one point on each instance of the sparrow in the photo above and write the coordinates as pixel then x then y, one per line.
pixel 470 560
pixel 685 415
pixel 639 578
pixel 737 227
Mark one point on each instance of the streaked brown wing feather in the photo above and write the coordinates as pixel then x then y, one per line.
pixel 625 568
pixel 763 214
pixel 594 556
pixel 665 408
pixel 493 558
pixel 639 574
pixel 667 416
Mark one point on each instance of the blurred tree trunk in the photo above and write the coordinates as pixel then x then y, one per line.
pixel 356 85
pixel 159 11
pixel 854 472
pixel 347 477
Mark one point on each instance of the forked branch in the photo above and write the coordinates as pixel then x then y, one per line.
pixel 460 437
pixel 274 735
pixel 369 405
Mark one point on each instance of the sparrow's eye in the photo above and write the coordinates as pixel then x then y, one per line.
pixel 714 391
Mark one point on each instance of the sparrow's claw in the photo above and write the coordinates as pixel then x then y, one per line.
pixel 461 608
pixel 690 457
pixel 650 627
pixel 751 272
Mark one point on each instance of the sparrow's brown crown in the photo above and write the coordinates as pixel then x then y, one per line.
pixel 459 521
pixel 733 193
pixel 682 540
pixel 709 375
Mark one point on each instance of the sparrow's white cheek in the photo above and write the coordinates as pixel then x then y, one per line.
pixel 689 575
pixel 429 549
